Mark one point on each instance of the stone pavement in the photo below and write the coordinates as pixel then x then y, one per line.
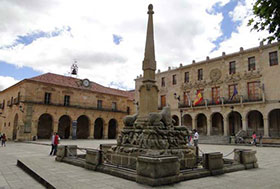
pixel 68 176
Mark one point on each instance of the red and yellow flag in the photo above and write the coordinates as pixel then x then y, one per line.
pixel 198 99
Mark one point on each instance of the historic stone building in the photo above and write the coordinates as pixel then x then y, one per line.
pixel 240 91
pixel 38 106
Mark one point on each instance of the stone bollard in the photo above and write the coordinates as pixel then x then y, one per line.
pixel 93 159
pixel 247 157
pixel 157 170
pixel 214 162
pixel 65 151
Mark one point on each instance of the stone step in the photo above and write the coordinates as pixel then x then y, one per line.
pixel 213 139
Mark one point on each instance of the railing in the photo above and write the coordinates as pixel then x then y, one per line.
pixel 103 108
pixel 220 102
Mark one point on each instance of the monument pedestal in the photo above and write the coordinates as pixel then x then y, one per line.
pixel 157 170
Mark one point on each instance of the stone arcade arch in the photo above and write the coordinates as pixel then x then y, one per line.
pixel 187 121
pixel 98 128
pixel 176 119
pixel 201 123
pixel 45 126
pixel 83 127
pixel 64 125
pixel 217 124
pixel 15 127
pixel 112 131
pixel 274 123
pixel 234 122
pixel 255 122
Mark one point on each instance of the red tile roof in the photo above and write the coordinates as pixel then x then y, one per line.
pixel 67 81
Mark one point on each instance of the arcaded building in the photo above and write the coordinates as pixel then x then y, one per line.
pixel 39 106
pixel 240 92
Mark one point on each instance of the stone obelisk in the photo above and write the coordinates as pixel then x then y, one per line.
pixel 148 90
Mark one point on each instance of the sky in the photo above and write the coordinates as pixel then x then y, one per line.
pixel 107 38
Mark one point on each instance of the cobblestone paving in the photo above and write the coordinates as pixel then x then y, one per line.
pixel 267 176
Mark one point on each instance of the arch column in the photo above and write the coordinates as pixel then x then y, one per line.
pixel 105 129
pixel 209 126
pixel 55 125
pixel 226 126
pixel 194 123
pixel 244 123
pixel 91 130
pixel 266 126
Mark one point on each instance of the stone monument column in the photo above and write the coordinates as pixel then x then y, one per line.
pixel 148 90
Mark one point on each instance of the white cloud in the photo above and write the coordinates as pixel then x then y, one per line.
pixel 6 82
pixel 183 31
pixel 243 37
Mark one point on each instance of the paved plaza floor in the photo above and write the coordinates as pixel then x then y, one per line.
pixel 69 176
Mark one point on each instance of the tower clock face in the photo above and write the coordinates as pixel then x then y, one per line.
pixel 86 83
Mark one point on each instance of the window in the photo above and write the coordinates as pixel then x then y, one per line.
pixel 254 90
pixel 114 106
pixel 187 77
pixel 162 100
pixel 200 74
pixel 231 91
pixel 187 99
pixel 99 104
pixel 163 81
pixel 216 95
pixel 3 105
pixel 47 98
pixel 273 58
pixel 232 67
pixel 174 79
pixel 66 100
pixel 251 63
pixel 128 110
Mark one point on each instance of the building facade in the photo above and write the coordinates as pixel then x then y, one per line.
pixel 240 92
pixel 39 106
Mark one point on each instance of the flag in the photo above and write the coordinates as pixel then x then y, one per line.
pixel 189 99
pixel 198 99
pixel 218 100
pixel 235 92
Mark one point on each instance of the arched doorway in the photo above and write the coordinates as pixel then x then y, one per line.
pixel 15 127
pixel 274 123
pixel 45 126
pixel 187 121
pixel 235 122
pixel 82 127
pixel 64 124
pixel 112 131
pixel 98 128
pixel 217 124
pixel 176 120
pixel 255 122
pixel 201 123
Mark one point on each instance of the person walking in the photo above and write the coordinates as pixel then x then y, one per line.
pixel 195 137
pixel 254 137
pixel 53 137
pixel 3 140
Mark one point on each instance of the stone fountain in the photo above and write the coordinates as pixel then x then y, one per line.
pixel 150 149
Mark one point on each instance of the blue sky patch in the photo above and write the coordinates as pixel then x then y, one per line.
pixel 117 39
pixel 28 38
pixel 228 26
pixel 18 73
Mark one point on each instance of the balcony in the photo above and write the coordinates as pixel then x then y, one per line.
pixel 16 101
pixel 103 108
pixel 223 102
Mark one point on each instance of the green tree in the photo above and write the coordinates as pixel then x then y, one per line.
pixel 267 17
